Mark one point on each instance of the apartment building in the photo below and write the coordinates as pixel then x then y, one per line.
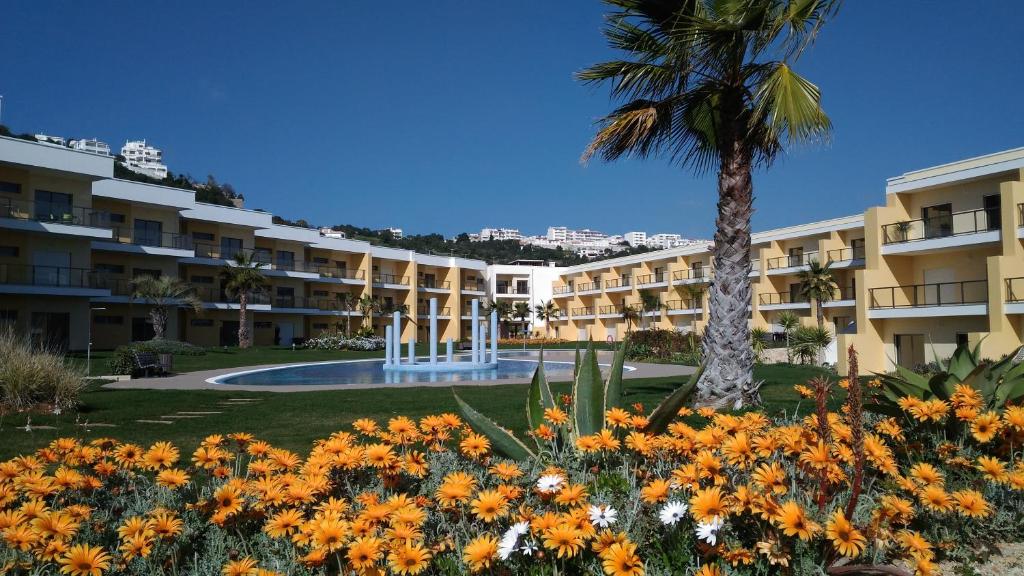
pixel 144 159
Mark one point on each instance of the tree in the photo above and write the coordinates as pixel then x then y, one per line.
pixel 810 342
pixel 710 83
pixel 649 302
pixel 243 279
pixel 162 293
pixel 630 314
pixel 818 284
pixel 367 306
pixel 504 310
pixel 521 311
pixel 348 302
pixel 548 312
pixel 788 321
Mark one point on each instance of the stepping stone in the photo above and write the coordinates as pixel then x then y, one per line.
pixel 40 427
pixel 179 416
pixel 97 425
pixel 243 399
pixel 200 413
pixel 155 421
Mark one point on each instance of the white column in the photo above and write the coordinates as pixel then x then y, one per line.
pixel 388 344
pixel 450 353
pixel 397 330
pixel 483 344
pixel 475 327
pixel 412 351
pixel 494 336
pixel 433 330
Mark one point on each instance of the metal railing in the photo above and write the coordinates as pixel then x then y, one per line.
pixel 774 298
pixel 390 279
pixel 1015 289
pixel 446 311
pixel 938 294
pixel 33 275
pixel 212 295
pixel 126 235
pixel 508 289
pixel 792 261
pixel 329 271
pixel 609 309
pixel 623 282
pixel 434 284
pixel 650 279
pixel 474 286
pixel 118 285
pixel 701 273
pixel 683 305
pixel 218 252
pixel 54 212
pixel 846 254
pixel 844 293
pixel 956 224
pixel 588 287
pixel 583 311
pixel 560 290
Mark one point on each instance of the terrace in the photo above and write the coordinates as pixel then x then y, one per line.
pixel 214 299
pixel 444 313
pixel 141 241
pixel 852 257
pixel 843 297
pixel 476 287
pixel 1014 295
pixel 950 231
pixel 684 307
pixel 50 281
pixel 782 301
pixel 431 285
pixel 54 217
pixel 695 275
pixel 562 291
pixel 619 284
pixel 390 281
pixel 609 311
pixel 791 263
pixel 583 313
pixel 658 280
pixel 587 289
pixel 964 298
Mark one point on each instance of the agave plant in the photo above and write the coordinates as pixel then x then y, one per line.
pixel 997 382
pixel 591 398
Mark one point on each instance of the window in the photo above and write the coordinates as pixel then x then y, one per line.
pixel 109 268
pixel 961 339
pixel 993 211
pixel 8 251
pixel 285 297
pixel 320 260
pixel 137 272
pixel 262 255
pixel 116 218
pixel 230 246
pixel 285 259
pixel 522 286
pixel 202 236
pixel 697 269
pixel 938 220
pixel 8 317
pixel 320 293
pixel 148 232
pixel 10 187
pixel 840 323
pixel 109 320
pixel 319 326
pixel 201 323
pixel 263 325
pixel 201 279
pixel 857 247
pixel 53 206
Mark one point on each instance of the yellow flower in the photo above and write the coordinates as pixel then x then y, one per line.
pixel 136 547
pixel 709 570
pixel 364 552
pixel 620 559
pixel 846 539
pixel 242 567
pixel 172 478
pixel 556 416
pixel 284 523
pixel 707 503
pixel 926 474
pixel 935 498
pixel 992 468
pixel 972 503
pixel 329 533
pixel 571 494
pixel 480 552
pixel 409 559
pixel 228 500
pixel 985 427
pixel 475 445
pixel 489 505
pixel 794 522
pixel 656 491
pixel 564 538
pixel 160 455
pixel 84 560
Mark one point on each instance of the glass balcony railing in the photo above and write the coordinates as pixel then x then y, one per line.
pixel 219 252
pixel 845 293
pixel 57 276
pixel 124 235
pixel 588 287
pixel 54 213
pixel 1015 289
pixel 683 305
pixel 561 290
pixel 475 286
pixel 583 311
pixel 507 289
pixel 609 309
pixel 624 282
pixel 433 284
pixel 1020 215
pixel 331 271
pixel 938 294
pixel 214 296
pixel 390 279
pixel 648 279
pixel 700 273
pixel 776 298
pixel 846 254
pixel 792 261
pixel 957 224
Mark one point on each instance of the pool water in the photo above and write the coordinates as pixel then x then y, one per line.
pixel 511 366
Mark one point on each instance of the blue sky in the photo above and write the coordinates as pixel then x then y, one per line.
pixel 452 115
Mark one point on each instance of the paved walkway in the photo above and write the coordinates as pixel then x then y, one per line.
pixel 199 380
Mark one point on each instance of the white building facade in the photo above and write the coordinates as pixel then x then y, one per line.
pixel 144 159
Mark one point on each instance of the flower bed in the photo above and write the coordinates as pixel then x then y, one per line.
pixel 336 341
pixel 714 494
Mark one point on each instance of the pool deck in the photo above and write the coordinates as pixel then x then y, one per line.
pixel 199 380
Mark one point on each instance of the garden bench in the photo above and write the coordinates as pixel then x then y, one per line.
pixel 148 364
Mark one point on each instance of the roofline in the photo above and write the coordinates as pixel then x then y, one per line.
pixel 958 171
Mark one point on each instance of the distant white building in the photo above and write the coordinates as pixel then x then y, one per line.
pixel 500 234
pixel 144 159
pixel 56 140
pixel 396 233
pixel 328 232
pixel 563 234
pixel 91 145
pixel 636 238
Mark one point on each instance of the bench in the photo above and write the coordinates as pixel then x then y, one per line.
pixel 148 364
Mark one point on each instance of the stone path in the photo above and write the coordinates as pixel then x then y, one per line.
pixel 168 419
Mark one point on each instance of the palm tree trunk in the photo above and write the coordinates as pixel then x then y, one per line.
pixel 728 377
pixel 158 315
pixel 244 340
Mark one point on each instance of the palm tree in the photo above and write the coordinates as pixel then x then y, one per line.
pixel 649 302
pixel 348 302
pixel 817 283
pixel 548 312
pixel 788 321
pixel 367 306
pixel 810 342
pixel 504 309
pixel 521 311
pixel 162 293
pixel 710 84
pixel 757 342
pixel 243 279
pixel 630 314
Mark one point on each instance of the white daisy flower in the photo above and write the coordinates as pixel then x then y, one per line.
pixel 529 547
pixel 550 483
pixel 511 538
pixel 602 516
pixel 672 512
pixel 708 531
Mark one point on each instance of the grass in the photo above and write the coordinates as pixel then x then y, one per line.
pixel 295 420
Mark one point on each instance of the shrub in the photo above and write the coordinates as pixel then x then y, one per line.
pixel 338 341
pixel 123 361
pixel 29 376
pixel 663 345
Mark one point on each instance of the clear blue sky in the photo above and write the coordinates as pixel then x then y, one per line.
pixel 451 115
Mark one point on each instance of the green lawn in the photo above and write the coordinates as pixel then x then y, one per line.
pixel 294 420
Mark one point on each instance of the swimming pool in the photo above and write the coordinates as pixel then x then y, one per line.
pixel 511 366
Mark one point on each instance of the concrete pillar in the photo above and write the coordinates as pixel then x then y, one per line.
pixel 494 336
pixel 483 344
pixel 412 351
pixel 388 344
pixel 397 333
pixel 450 352
pixel 433 330
pixel 475 326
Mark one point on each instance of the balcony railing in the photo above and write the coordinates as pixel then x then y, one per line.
pixel 609 309
pixel 559 290
pixel 775 298
pixel 31 275
pixel 846 254
pixel 390 279
pixel 1015 289
pixel 54 212
pixel 433 284
pixel 939 294
pixel 425 313
pixel 624 282
pixel 650 279
pixel 503 289
pixel 588 287
pixel 844 293
pixel 154 239
pixel 792 261
pixel 683 304
pixel 474 286
pixel 583 311
pixel 211 295
pixel 701 273
pixel 957 224
pixel 218 252
pixel 329 271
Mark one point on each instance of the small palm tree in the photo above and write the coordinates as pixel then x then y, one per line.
pixel 758 338
pixel 348 303
pixel 162 293
pixel 631 315
pixel 788 321
pixel 243 279
pixel 367 306
pixel 504 310
pixel 810 342
pixel 710 83
pixel 521 311
pixel 649 302
pixel 548 312
pixel 818 284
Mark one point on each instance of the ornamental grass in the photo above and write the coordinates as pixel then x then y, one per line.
pixel 715 494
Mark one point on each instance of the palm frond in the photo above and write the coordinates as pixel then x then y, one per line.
pixel 789 106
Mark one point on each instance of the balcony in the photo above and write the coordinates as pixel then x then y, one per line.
pixel 442 313
pixel 618 284
pixel 949 232
pixel 509 290
pixel 755 268
pixel 145 242
pixel 213 299
pixel 609 311
pixel 1014 296
pixel 54 218
pixel 335 275
pixel 843 297
pixel 562 291
pixel 782 301
pixel 792 263
pixel 652 280
pixel 684 307
pixel 699 275
pixel 391 281
pixel 587 289
pixel 583 313
pixel 477 288
pixel 49 281
pixel 968 298
pixel 846 257
pixel 425 285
